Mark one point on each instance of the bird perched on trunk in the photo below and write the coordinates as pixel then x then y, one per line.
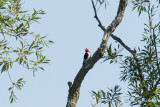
pixel 87 55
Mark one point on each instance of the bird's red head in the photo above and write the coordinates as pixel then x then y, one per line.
pixel 87 50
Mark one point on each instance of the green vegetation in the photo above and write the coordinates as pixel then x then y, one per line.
pixel 18 45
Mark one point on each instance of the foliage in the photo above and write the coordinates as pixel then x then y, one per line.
pixel 143 76
pixel 111 97
pixel 17 44
pixel 113 54
pixel 19 84
pixel 100 3
pixel 140 5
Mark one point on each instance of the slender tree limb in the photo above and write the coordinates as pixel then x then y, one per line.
pixel 74 91
pixel 156 25
pixel 123 44
pixel 10 77
pixel 95 12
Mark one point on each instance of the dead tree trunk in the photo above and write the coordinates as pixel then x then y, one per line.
pixel 74 90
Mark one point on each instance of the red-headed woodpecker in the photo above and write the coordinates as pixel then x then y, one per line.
pixel 87 55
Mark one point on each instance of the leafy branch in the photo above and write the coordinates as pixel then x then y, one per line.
pixel 18 45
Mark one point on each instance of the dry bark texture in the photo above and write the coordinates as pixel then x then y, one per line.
pixel 74 90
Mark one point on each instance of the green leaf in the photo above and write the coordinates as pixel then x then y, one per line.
pixel 21 59
pixel 15 51
pixel 21 44
pixel 31 45
pixel 20 79
pixel 2 31
pixel 11 100
pixel 36 18
pixel 19 26
pixel 41 68
pixel 15 23
pixel 10 88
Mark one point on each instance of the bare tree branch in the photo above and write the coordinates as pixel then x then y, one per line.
pixel 95 12
pixel 113 36
pixel 74 91
pixel 123 44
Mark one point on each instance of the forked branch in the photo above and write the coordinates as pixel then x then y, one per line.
pixel 113 36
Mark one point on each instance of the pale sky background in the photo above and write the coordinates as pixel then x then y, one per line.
pixel 71 25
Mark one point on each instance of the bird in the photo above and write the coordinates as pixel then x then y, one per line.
pixel 87 55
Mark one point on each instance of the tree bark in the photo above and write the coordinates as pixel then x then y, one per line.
pixel 74 91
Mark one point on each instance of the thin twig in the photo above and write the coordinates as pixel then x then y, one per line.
pixel 100 24
pixel 156 25
pixel 10 76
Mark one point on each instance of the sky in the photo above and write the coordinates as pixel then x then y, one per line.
pixel 72 27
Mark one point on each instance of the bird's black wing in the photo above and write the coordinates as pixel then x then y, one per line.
pixel 85 57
